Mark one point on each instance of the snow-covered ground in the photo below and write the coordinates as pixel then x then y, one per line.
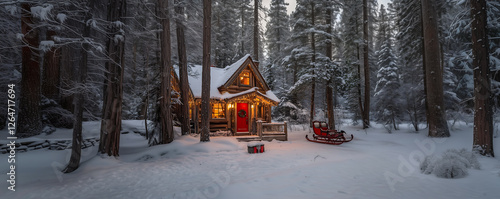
pixel 375 165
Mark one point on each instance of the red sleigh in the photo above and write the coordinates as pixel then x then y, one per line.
pixel 327 136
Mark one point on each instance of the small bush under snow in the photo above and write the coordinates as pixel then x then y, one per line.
pixel 451 164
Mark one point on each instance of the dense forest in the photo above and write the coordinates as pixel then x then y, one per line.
pixel 419 62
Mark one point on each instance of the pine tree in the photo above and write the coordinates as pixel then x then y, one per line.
pixel 387 97
pixel 438 127
pixel 330 80
pixel 29 110
pixel 303 56
pixel 295 62
pixel 165 114
pixel 313 61
pixel 277 30
pixel 409 48
pixel 205 89
pixel 245 32
pixel 183 68
pixel 277 34
pixel 483 124
pixel 112 103
pixel 256 30
pixel 79 99
pixel 458 55
pixel 351 38
pixel 327 72
pixel 225 31
pixel 365 108
pixel 140 56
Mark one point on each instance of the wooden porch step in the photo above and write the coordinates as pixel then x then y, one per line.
pixel 248 138
pixel 242 134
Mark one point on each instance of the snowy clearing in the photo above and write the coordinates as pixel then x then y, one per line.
pixel 374 165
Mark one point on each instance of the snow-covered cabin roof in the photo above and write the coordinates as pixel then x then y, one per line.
pixel 223 77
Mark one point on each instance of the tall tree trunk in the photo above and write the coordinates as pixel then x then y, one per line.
pixel 205 78
pixel 358 66
pixel 113 92
pixel 295 72
pixel 313 62
pixel 329 105
pixel 256 30
pixel 184 84
pixel 360 100
pixel 217 58
pixel 438 127
pixel 366 67
pixel 278 35
pixel 29 121
pixel 66 74
pixel 329 89
pixel 483 124
pixel 415 107
pixel 146 100
pixel 51 75
pixel 165 116
pixel 79 100
pixel 242 47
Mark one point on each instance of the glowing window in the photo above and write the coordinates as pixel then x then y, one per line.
pixel 245 78
pixel 218 110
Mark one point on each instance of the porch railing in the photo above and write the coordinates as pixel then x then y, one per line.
pixel 270 131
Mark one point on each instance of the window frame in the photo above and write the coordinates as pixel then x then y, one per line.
pixel 221 108
pixel 241 77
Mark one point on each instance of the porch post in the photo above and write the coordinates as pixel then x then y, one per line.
pixel 235 113
pixel 268 113
pixel 251 129
pixel 229 117
pixel 285 129
pixel 259 129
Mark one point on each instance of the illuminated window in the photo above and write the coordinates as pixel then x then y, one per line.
pixel 245 78
pixel 218 110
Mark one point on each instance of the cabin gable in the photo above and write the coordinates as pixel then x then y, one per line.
pixel 247 76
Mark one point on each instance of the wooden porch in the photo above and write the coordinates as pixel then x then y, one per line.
pixel 267 132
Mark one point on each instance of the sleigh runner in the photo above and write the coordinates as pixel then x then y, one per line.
pixel 327 136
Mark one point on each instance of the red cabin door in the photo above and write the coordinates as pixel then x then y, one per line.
pixel 242 117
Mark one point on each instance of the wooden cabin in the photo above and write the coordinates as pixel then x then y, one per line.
pixel 239 97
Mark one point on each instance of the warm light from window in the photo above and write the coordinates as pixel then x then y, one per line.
pixel 252 105
pixel 218 110
pixel 245 78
